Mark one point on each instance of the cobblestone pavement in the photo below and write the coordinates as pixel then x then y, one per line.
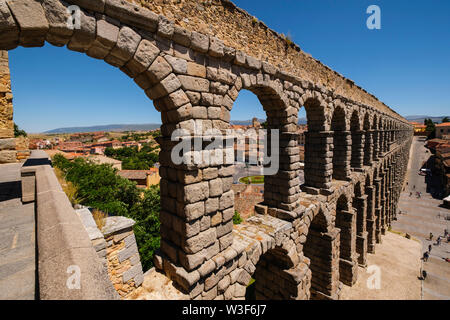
pixel 423 215
pixel 17 238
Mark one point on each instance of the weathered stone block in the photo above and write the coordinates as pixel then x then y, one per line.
pixel 199 42
pixel 30 16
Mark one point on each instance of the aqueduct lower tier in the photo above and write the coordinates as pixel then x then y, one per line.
pixel 307 239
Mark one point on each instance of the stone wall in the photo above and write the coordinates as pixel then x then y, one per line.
pixel 241 31
pixel 116 247
pixel 68 265
pixel 124 264
pixel 6 107
pixel 7 142
pixel 193 79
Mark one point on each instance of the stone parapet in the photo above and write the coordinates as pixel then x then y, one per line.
pixel 69 267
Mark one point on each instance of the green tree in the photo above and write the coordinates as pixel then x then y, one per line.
pixel 430 128
pixel 99 186
pixel 18 132
pixel 445 119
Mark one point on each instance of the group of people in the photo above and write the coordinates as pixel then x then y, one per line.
pixel 438 243
pixel 426 254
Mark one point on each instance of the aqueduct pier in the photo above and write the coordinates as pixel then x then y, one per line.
pixel 192 59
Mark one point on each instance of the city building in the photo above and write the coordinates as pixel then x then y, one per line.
pixel 442 129
pixel 143 178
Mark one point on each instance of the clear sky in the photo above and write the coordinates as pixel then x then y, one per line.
pixel 405 64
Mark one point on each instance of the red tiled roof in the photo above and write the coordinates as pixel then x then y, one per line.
pixel 445 124
pixel 134 174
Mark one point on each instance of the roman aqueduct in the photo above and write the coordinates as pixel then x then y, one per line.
pixel 192 59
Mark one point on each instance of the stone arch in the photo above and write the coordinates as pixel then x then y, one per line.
pixel 342 148
pixel 275 276
pixel 321 249
pixel 318 147
pixel 357 136
pixel 346 222
pixel 276 109
pixel 368 140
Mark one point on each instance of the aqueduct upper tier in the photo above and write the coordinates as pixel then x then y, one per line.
pixel 192 59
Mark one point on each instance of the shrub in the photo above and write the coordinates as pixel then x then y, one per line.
pixel 100 187
pixel 237 218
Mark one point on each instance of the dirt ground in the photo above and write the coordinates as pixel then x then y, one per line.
pixel 399 263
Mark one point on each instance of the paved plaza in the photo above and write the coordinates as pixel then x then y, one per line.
pixel 420 216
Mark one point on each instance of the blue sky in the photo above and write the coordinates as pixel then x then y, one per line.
pixel 405 64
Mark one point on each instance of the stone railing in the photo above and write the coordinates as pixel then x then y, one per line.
pixel 116 246
pixel 68 265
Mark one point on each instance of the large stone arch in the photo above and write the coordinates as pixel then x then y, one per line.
pixel 341 142
pixel 368 140
pixel 275 276
pixel 321 247
pixel 318 145
pixel 194 79
pixel 357 136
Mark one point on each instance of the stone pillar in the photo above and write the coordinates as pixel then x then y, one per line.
pixel 7 141
pixel 322 250
pixel 197 208
pixel 371 219
pixel 381 142
pixel 122 254
pixel 342 155
pixel 386 141
pixel 357 158
pixel 318 160
pixel 360 206
pixel 283 188
pixel 377 183
pixel 383 204
pixel 348 265
pixel 376 143
pixel 368 149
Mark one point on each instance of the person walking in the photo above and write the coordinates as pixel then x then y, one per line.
pixel 429 248
pixel 438 241
pixel 431 236
pixel 425 256
pixel 424 274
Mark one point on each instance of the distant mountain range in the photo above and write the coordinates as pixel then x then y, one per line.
pixel 249 122
pixel 421 118
pixel 152 126
pixel 108 127
pixel 136 127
